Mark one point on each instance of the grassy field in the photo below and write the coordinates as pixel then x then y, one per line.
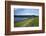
pixel 28 22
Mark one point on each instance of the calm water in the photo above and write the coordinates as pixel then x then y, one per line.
pixel 19 18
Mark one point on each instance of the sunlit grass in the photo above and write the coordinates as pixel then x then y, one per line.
pixel 28 22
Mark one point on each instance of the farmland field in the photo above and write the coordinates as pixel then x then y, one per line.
pixel 27 22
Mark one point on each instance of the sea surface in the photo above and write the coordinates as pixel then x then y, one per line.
pixel 20 18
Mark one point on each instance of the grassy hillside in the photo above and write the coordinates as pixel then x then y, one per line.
pixel 28 22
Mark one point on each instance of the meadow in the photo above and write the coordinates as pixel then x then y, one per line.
pixel 29 22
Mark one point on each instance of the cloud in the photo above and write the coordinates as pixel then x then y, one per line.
pixel 26 12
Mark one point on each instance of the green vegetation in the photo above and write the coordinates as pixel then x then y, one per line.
pixel 36 21
pixel 28 22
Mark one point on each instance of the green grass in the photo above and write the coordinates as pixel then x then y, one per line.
pixel 28 22
pixel 36 21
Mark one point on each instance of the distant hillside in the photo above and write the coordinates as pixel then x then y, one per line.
pixel 25 16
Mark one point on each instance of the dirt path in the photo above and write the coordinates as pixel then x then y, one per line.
pixel 27 22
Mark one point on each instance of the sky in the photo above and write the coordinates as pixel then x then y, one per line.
pixel 26 11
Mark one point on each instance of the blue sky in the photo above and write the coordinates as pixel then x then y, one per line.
pixel 25 11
